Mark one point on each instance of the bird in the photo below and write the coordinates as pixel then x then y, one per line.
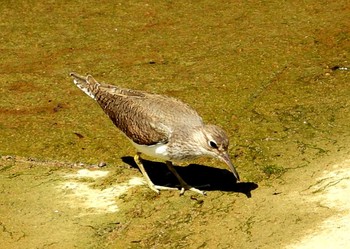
pixel 159 126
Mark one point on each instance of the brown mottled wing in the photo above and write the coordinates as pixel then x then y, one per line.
pixel 145 118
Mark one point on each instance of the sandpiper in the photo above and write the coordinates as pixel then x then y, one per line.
pixel 159 126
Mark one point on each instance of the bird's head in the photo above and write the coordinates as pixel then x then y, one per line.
pixel 215 143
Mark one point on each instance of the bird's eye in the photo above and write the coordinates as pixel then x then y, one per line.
pixel 213 144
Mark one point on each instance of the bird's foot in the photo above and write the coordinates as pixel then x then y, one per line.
pixel 157 188
pixel 190 188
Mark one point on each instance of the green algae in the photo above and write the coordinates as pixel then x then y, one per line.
pixel 264 71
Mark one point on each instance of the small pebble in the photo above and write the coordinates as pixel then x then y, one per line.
pixel 102 164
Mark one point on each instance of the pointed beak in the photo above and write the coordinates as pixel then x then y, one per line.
pixel 226 158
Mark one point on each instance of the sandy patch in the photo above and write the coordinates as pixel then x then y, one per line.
pixel 332 190
pixel 93 200
pixel 85 173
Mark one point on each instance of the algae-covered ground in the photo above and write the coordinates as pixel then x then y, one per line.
pixel 273 74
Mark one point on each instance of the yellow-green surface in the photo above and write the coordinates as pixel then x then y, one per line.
pixel 271 73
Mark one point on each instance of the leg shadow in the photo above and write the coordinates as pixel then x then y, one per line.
pixel 195 175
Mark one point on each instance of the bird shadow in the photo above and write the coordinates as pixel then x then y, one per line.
pixel 200 176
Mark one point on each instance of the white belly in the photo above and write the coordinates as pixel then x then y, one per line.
pixel 157 150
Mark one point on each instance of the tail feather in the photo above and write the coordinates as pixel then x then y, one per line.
pixel 87 84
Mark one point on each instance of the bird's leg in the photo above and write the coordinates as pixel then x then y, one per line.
pixel 184 185
pixel 156 188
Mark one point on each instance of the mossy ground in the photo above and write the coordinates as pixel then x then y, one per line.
pixel 269 73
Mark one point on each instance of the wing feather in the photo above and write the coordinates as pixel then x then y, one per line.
pixel 143 117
